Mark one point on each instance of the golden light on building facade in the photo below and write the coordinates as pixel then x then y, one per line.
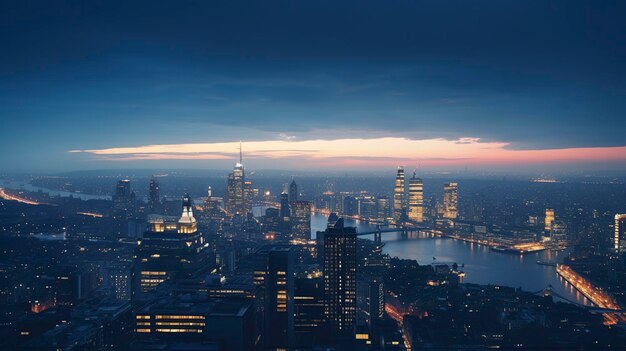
pixel 416 199
pixel 450 200
pixel 549 219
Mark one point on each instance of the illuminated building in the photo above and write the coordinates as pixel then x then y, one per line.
pixel 171 247
pixel 235 199
pixel 619 238
pixel 300 220
pixel 416 199
pixel 279 299
pixel 548 219
pixel 370 305
pixel 350 206
pixel 285 214
pixel 309 316
pixel 559 232
pixel 267 195
pixel 340 279
pixel 228 321
pixel 382 208
pixel 293 191
pixel 332 220
pixel 212 203
pixel 368 209
pixel 154 201
pixel 450 200
pixel 398 195
pixel 118 277
pixel 123 200
pixel 271 220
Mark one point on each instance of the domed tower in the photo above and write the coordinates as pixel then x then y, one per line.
pixel 187 223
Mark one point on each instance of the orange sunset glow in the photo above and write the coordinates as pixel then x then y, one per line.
pixel 364 152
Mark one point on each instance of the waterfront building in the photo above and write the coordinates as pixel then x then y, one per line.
pixel 340 265
pixel 300 220
pixel 398 195
pixel 367 209
pixel 383 206
pixel 416 199
pixel 450 200
pixel 548 220
pixel 350 205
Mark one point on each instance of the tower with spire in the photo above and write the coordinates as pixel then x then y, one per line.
pixel 235 194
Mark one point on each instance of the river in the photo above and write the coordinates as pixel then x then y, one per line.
pixel 481 265
pixel 25 185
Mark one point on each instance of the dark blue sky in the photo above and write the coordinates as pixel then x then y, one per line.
pixel 534 74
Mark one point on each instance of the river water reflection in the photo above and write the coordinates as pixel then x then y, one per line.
pixel 481 265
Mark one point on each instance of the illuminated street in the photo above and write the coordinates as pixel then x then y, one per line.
pixel 596 295
pixel 397 316
pixel 7 196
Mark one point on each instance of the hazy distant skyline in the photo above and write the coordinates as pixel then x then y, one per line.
pixel 314 84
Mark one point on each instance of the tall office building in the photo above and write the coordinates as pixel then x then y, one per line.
pixel 549 219
pixel 293 191
pixel 118 277
pixel 309 316
pixel 340 279
pixel 300 220
pixel 172 247
pixel 350 205
pixel 285 214
pixel 619 238
pixel 154 199
pixel 123 200
pixel 279 293
pixel 235 195
pixel 382 208
pixel 450 200
pixel 398 195
pixel 416 199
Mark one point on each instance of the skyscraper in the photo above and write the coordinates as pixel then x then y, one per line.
pixel 285 215
pixel 279 290
pixel 154 199
pixel 309 316
pixel 382 208
pixel 171 248
pixel 301 220
pixel 549 219
pixel 340 279
pixel 235 198
pixel 398 195
pixel 416 199
pixel 619 238
pixel 123 200
pixel 450 200
pixel 293 191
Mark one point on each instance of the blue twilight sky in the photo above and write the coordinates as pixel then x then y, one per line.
pixel 102 74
